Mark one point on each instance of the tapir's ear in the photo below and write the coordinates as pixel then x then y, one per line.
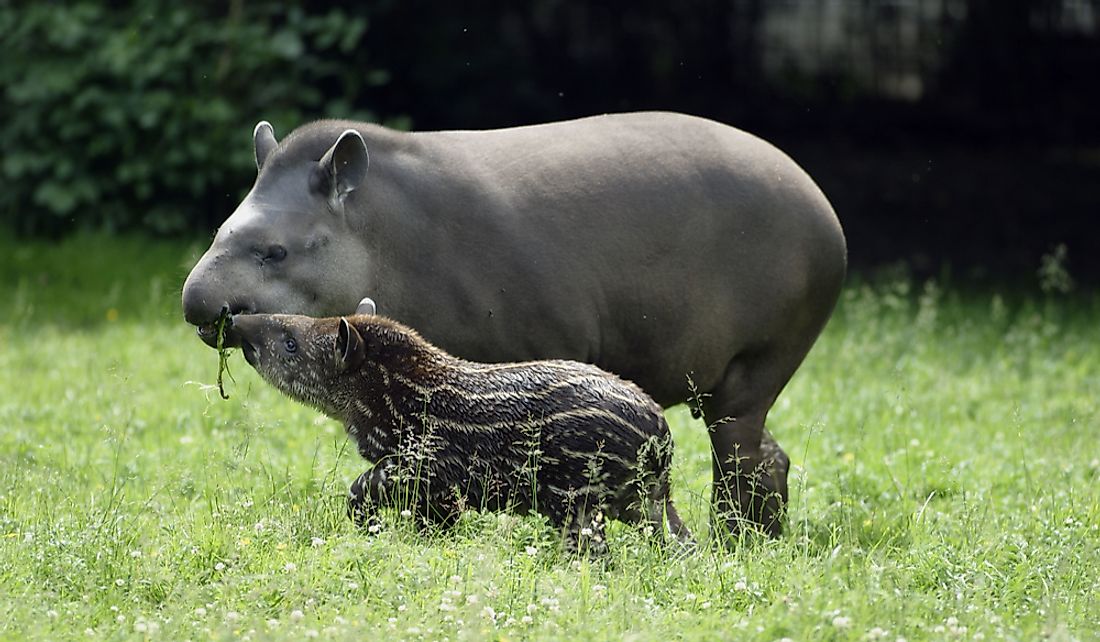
pixel 343 167
pixel 367 306
pixel 350 349
pixel 263 137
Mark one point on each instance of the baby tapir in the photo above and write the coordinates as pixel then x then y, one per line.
pixel 565 439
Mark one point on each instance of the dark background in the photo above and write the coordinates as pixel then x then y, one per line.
pixel 954 137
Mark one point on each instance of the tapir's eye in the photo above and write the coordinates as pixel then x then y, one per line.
pixel 291 345
pixel 270 254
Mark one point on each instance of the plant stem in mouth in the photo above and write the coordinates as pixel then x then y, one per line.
pixel 223 353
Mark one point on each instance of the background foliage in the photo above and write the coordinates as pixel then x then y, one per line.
pixel 141 117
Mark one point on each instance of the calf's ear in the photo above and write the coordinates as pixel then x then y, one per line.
pixel 343 167
pixel 263 137
pixel 367 306
pixel 350 348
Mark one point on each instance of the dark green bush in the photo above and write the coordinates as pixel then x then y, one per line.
pixel 141 117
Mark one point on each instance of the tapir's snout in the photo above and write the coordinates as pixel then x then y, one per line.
pixel 245 331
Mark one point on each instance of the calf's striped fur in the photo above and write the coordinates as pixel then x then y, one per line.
pixel 568 440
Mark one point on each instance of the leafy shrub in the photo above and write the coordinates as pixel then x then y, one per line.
pixel 141 117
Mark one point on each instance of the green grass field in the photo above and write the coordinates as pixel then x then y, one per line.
pixel 945 482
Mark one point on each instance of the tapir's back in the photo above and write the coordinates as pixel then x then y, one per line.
pixel 652 244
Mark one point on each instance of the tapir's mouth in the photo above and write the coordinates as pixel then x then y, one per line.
pixel 208 332
pixel 251 355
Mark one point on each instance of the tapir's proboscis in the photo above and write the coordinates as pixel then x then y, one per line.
pixel 662 247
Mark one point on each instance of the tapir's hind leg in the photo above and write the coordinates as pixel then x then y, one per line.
pixel 750 469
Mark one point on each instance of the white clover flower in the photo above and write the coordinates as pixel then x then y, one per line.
pixel 353 586
pixel 232 616
pixel 290 566
pixel 316 541
pixel 297 615
pixel 220 566
pixel 740 585
pixel 600 588
pixel 586 532
pixel 527 619
pixel 471 599
pixel 877 633
pixel 272 623
pixel 531 551
pixel 200 612
pixel 489 613
pixel 310 633
pixel 120 619
pixel 120 582
pixel 140 626
pixel 339 620
pixel 90 632
pixel 52 614
pixel 841 622
pixel 691 597
pixel 406 513
pixel 135 554
pixel 455 579
pixel 374 529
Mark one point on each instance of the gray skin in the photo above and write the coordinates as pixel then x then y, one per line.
pixel 657 246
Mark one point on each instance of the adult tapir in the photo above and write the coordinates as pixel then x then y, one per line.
pixel 658 246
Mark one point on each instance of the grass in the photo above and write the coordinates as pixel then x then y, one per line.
pixel 946 485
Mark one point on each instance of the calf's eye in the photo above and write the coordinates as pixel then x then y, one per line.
pixel 291 345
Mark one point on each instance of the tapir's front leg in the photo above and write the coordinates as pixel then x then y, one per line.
pixel 372 490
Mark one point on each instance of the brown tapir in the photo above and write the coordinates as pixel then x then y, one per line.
pixel 657 246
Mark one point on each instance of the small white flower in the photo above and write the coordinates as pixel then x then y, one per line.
pixel 842 622
pixel 705 605
pixel 527 619
pixel 392 620
pixel 374 529
pixel 135 554
pixel 52 614
pixel 586 532
pixel 600 588
pixel 690 597
pixel 120 582
pixel 339 620
pixel 120 619
pixel 740 585
pixel 272 623
pixel 489 613
pixel 877 633
pixel 232 616
pixel 353 586
pixel 455 579
pixel 200 612
pixel 471 599
pixel 406 513
pixel 311 633
pixel 90 632
pixel 531 551
pixel 140 626
pixel 401 608
pixel 220 566
pixel 290 566
pixel 531 608
pixel 316 541
pixel 297 615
